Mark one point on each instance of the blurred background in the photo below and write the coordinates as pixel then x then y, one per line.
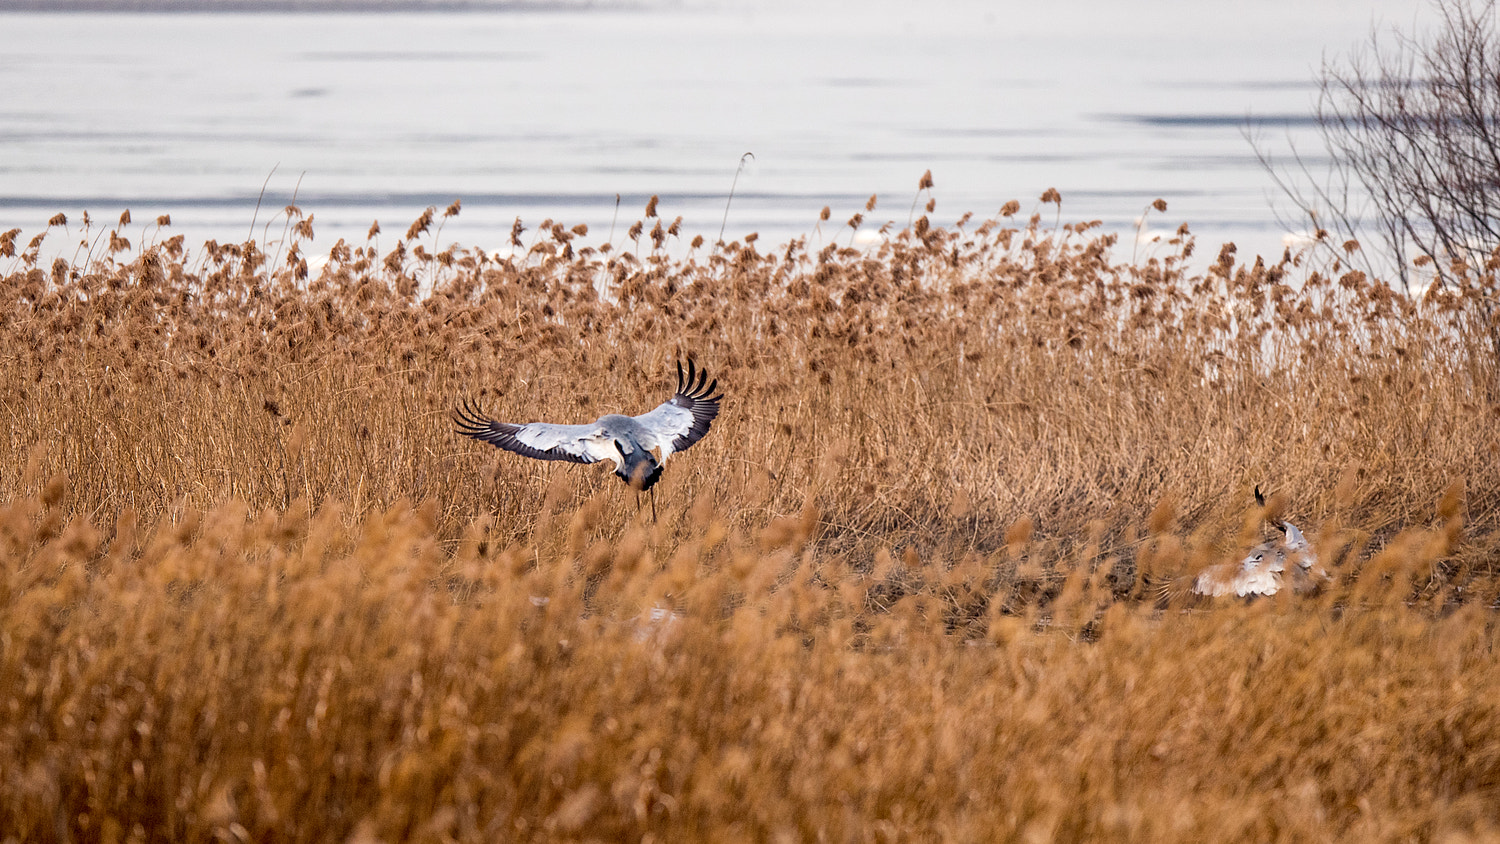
pixel 551 111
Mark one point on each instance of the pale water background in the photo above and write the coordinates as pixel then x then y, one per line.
pixel 550 113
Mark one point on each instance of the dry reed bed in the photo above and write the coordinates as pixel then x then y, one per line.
pixel 290 676
pixel 917 561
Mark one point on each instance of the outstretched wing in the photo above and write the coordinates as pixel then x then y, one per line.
pixel 683 419
pixel 1257 574
pixel 541 440
pixel 1261 581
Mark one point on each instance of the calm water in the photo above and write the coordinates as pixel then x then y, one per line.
pixel 551 114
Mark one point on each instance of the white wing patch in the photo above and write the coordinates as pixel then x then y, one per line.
pixel 662 426
pixel 539 440
pixel 576 441
pixel 1260 577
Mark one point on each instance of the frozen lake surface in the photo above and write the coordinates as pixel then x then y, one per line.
pixel 552 113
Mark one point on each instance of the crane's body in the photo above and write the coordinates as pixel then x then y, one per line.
pixel 1268 565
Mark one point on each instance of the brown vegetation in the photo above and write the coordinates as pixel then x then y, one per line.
pixel 927 569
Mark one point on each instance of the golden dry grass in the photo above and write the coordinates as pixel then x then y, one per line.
pixel 927 567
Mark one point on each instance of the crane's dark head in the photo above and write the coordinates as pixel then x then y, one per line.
pixel 639 468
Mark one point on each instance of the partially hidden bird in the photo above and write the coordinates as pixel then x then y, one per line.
pixel 629 441
pixel 1268 565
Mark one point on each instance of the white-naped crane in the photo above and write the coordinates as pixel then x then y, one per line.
pixel 629 441
pixel 1266 567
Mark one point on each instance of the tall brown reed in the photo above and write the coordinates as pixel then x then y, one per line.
pixel 254 587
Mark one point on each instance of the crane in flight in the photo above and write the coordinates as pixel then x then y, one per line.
pixel 630 441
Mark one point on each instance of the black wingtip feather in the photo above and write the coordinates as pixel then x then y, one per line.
pixel 691 384
pixel 1260 501
pixel 697 393
pixel 469 419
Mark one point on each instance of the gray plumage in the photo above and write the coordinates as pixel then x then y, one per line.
pixel 627 440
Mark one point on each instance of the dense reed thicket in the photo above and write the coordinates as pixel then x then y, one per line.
pixel 923 580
